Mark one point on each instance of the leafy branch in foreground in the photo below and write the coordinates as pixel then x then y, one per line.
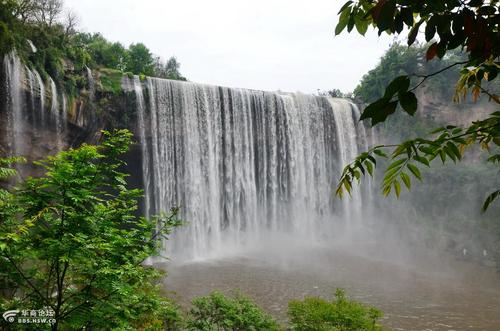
pixel 406 157
pixel 471 26
pixel 449 24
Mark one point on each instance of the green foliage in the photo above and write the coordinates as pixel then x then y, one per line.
pixel 105 53
pixel 405 158
pixel 71 240
pixel 169 70
pixel 140 60
pixel 400 60
pixel 474 28
pixel 6 38
pixel 111 80
pixel 316 314
pixel 7 23
pixel 218 312
pixel 63 53
pixel 335 93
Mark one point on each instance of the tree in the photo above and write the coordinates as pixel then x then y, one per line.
pixel 172 69
pixel 107 54
pixel 316 314
pixel 71 241
pixel 335 93
pixel 46 11
pixel 169 70
pixel 71 22
pixel 7 20
pixel 140 60
pixel 449 24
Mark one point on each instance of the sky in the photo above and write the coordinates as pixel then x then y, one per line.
pixel 286 45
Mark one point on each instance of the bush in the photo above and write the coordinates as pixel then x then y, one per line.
pixel 316 314
pixel 111 80
pixel 218 312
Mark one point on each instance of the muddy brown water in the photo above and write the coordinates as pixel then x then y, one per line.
pixel 416 289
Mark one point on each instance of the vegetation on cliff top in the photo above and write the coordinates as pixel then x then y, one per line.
pixel 64 53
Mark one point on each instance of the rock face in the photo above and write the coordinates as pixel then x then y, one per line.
pixel 38 119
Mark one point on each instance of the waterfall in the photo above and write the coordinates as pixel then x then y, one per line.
pixel 91 83
pixel 244 164
pixel 348 147
pixel 58 116
pixel 15 123
pixel 41 94
pixel 31 83
pixel 25 109
pixel 144 147
pixel 32 46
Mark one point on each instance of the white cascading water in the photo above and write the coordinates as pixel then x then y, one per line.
pixel 348 150
pixel 25 103
pixel 15 124
pixel 59 121
pixel 91 83
pixel 41 91
pixel 244 164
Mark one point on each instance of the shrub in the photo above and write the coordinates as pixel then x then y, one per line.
pixel 316 314
pixel 111 80
pixel 218 312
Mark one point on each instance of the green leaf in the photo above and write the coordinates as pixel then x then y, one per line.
pixel 442 156
pixel 380 153
pixel 454 149
pixel 381 116
pixel 350 23
pixel 415 171
pixel 386 18
pixel 396 164
pixel 441 49
pixel 412 35
pixel 438 130
pixel 386 190
pixel 407 16
pixel 397 188
pixel 489 200
pixel 369 167
pixel 343 20
pixel 398 84
pixel 347 4
pixel 430 30
pixel 373 108
pixel 361 25
pixel 422 160
pixel 409 102
pixel 406 180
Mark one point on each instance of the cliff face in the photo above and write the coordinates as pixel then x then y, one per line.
pixel 440 110
pixel 38 119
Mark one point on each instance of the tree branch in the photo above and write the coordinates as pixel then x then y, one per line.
pixel 425 77
pixel 33 287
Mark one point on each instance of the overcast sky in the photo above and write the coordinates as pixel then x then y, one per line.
pixel 286 45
